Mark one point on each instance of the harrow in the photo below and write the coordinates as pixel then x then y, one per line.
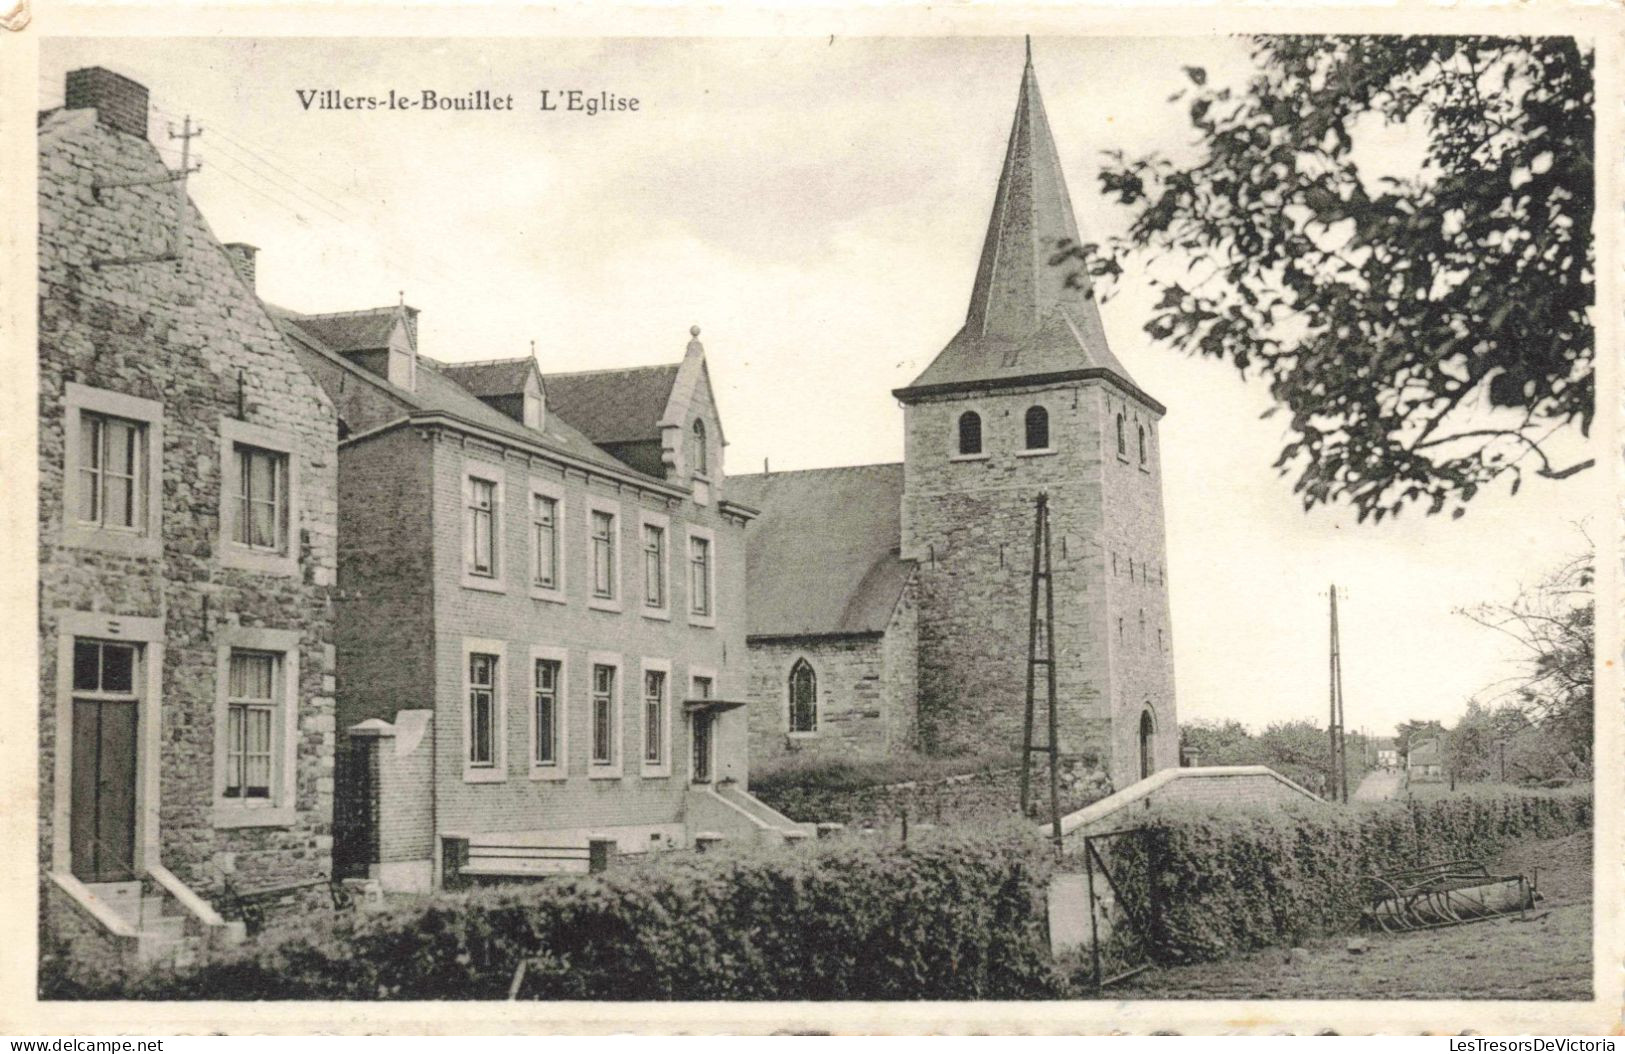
pixel 1447 894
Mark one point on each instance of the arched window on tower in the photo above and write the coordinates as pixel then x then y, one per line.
pixel 1142 446
pixel 803 697
pixel 970 432
pixel 1122 439
pixel 1037 428
pixel 1148 729
pixel 698 455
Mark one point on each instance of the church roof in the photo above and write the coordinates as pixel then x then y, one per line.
pixel 1031 319
pixel 613 406
pixel 821 559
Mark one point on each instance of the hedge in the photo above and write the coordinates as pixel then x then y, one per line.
pixel 1233 881
pixel 944 916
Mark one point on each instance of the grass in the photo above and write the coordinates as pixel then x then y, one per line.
pixel 1548 957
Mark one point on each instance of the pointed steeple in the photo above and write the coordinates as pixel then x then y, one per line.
pixel 1029 317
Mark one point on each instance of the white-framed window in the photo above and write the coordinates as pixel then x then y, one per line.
pixel 656 559
pixel 655 717
pixel 702 577
pixel 260 477
pixel 485 711
pixel 546 541
pixel 112 470
pixel 549 707
pixel 801 694
pixel 604 715
pixel 603 554
pixel 256 726
pixel 483 502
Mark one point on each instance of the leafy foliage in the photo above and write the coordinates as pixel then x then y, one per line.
pixel 942 917
pixel 1244 879
pixel 1427 335
pixel 1555 694
pixel 1298 750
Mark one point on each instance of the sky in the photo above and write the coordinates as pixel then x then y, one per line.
pixel 817 206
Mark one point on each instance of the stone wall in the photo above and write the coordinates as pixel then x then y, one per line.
pixel 192 337
pixel 852 691
pixel 1139 630
pixel 969 524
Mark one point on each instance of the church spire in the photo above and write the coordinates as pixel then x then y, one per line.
pixel 1030 320
pixel 1016 285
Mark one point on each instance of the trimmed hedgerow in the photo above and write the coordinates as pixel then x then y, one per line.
pixel 1226 882
pixel 945 916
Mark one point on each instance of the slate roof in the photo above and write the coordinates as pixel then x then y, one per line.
pixel 821 559
pixel 491 377
pixel 613 406
pixel 1028 318
pixel 352 330
pixel 1425 751
pixel 437 392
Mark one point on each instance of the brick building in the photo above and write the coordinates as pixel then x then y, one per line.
pixel 187 471
pixel 905 622
pixel 541 605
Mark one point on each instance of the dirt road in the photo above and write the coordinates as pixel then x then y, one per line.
pixel 1378 785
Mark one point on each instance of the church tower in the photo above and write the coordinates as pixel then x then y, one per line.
pixel 1029 398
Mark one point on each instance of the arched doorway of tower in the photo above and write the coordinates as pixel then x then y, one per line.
pixel 1148 731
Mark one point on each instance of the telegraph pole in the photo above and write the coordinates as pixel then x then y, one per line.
pixel 1337 775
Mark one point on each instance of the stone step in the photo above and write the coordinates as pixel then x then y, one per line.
pixel 165 926
pixel 157 947
pixel 154 907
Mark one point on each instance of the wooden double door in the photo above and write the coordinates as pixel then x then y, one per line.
pixel 102 809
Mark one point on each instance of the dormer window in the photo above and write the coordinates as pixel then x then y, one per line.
pixel 697 456
pixel 970 433
pixel 533 411
pixel 1037 428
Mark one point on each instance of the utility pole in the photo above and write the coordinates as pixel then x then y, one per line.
pixel 1041 653
pixel 186 136
pixel 1337 776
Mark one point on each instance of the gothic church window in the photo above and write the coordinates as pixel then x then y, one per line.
pixel 1122 442
pixel 803 697
pixel 1142 446
pixel 1037 428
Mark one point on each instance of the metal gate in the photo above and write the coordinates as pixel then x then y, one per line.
pixel 1122 908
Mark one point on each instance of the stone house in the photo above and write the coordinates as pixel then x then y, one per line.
pixel 1425 760
pixel 187 471
pixel 540 607
pixel 891 603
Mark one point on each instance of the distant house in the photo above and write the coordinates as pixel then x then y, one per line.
pixel 541 610
pixel 1387 753
pixel 1425 759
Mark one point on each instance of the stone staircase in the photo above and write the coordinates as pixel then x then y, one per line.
pixel 159 922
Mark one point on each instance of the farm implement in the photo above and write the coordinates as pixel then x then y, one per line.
pixel 1447 894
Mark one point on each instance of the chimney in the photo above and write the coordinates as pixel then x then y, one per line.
pixel 120 103
pixel 242 258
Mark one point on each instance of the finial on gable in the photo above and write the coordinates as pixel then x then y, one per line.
pixel 694 344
